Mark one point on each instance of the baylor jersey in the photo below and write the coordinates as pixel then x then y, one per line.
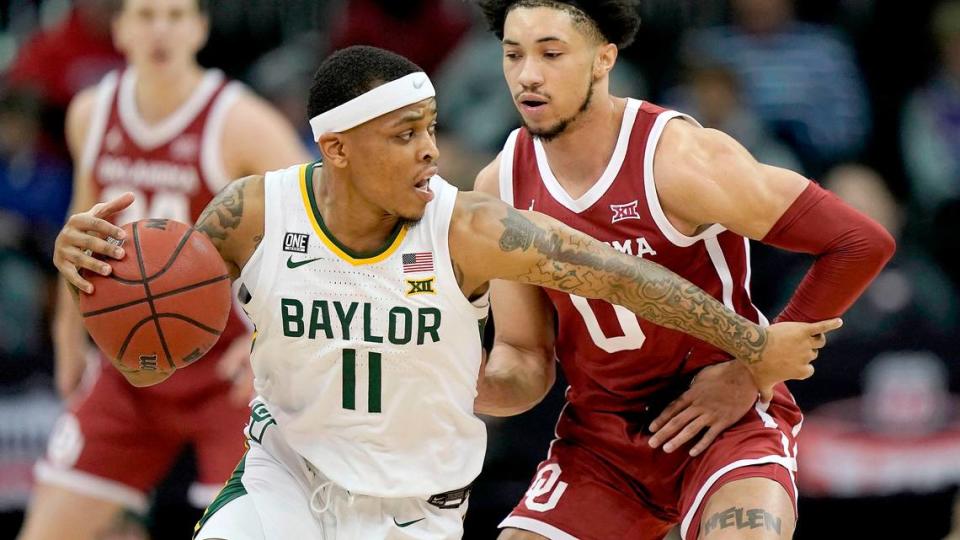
pixel 367 361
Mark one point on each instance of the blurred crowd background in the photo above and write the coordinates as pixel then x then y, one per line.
pixel 862 95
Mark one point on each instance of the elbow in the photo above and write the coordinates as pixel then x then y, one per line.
pixel 880 246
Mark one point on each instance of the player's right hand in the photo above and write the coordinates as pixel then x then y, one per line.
pixel 789 353
pixel 84 235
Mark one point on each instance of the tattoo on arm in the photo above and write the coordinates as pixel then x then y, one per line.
pixel 223 214
pixel 575 263
pixel 741 518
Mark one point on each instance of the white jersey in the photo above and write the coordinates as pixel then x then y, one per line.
pixel 368 362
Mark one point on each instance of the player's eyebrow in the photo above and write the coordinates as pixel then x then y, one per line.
pixel 414 116
pixel 541 40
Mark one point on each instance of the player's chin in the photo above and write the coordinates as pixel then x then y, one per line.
pixel 412 214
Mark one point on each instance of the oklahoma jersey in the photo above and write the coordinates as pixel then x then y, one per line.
pixel 622 371
pixel 174 168
pixel 612 359
pixel 368 362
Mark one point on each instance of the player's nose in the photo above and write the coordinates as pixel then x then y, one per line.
pixel 429 151
pixel 530 76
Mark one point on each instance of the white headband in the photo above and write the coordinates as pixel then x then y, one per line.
pixel 385 98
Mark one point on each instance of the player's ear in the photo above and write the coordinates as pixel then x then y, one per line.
pixel 203 24
pixel 331 146
pixel 606 58
pixel 117 30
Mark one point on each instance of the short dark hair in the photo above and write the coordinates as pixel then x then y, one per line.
pixel 352 72
pixel 616 21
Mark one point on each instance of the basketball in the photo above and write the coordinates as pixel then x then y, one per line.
pixel 166 302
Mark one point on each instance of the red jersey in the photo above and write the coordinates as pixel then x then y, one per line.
pixel 613 360
pixel 173 167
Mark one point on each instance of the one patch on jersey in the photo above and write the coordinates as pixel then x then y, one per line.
pixel 295 242
pixel 624 211
pixel 421 286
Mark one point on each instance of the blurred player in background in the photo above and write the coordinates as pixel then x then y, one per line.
pixel 653 184
pixel 174 134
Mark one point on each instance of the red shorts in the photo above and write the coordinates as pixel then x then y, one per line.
pixel 599 488
pixel 116 442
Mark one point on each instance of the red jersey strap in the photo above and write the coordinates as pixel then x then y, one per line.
pixel 851 250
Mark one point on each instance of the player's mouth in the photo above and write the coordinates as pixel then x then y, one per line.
pixel 531 104
pixel 422 187
pixel 159 55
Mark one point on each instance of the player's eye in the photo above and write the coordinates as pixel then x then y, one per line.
pixel 552 54
pixel 510 55
pixel 406 136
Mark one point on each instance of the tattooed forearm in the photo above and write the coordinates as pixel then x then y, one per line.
pixel 223 214
pixel 741 518
pixel 575 263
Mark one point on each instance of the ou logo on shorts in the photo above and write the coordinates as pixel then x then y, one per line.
pixel 546 481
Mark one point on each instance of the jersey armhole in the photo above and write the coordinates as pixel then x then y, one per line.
pixel 446 201
pixel 255 276
pixel 98 121
pixel 506 168
pixel 650 187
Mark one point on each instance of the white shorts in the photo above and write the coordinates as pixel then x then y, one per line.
pixel 274 494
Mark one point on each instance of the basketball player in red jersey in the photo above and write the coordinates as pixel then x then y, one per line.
pixel 654 184
pixel 174 134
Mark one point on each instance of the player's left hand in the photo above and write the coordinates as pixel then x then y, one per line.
pixel 718 397
pixel 235 367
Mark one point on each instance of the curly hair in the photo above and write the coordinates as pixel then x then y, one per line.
pixel 353 71
pixel 616 21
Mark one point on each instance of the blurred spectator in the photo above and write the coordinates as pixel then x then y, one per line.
pixel 59 62
pixel 425 31
pixel 72 55
pixel 34 181
pixel 931 120
pixel 886 433
pixel 801 79
pixel 283 76
pixel 912 299
pixel 713 95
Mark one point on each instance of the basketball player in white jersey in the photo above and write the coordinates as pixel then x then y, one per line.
pixel 175 134
pixel 366 279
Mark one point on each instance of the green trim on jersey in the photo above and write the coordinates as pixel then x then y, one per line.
pixel 391 240
pixel 231 490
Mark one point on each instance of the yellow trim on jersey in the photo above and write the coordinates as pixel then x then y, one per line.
pixel 329 241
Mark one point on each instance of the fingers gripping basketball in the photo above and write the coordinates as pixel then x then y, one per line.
pixel 165 303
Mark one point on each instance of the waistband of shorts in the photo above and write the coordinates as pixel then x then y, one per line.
pixel 451 499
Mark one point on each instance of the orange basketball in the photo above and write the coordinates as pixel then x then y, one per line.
pixel 165 303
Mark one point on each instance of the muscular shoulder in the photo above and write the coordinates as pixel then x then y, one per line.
pixel 257 138
pixel 488 179
pixel 248 111
pixel 688 154
pixel 79 115
pixel 472 209
pixel 695 166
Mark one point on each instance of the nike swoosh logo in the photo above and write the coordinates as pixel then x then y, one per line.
pixel 408 523
pixel 418 83
pixel 296 264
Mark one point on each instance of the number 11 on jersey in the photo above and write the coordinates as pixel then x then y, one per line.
pixel 350 380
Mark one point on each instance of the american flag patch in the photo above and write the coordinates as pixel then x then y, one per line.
pixel 418 262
